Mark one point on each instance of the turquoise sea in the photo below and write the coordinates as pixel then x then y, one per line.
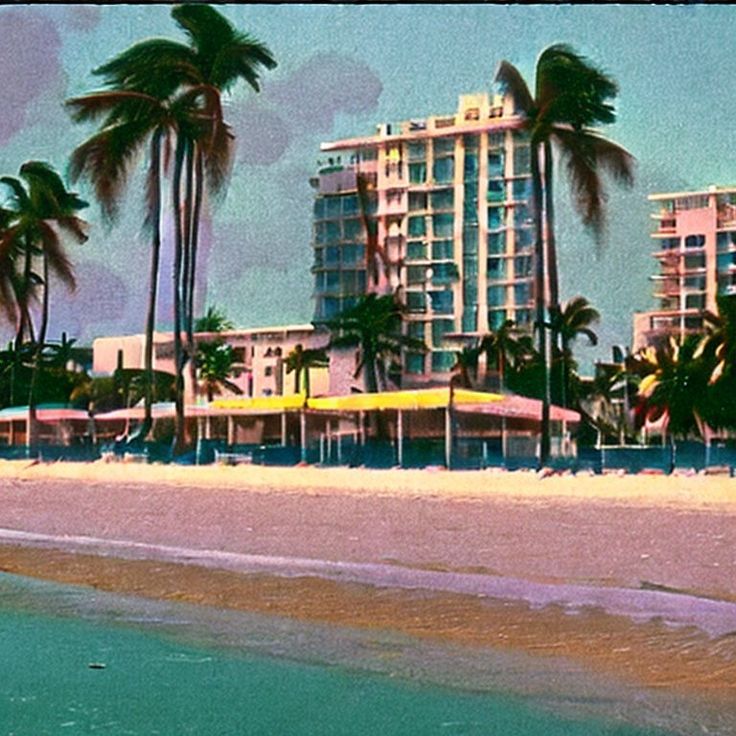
pixel 162 668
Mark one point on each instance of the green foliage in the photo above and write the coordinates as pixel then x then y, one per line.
pixel 214 320
pixel 214 362
pixel 299 361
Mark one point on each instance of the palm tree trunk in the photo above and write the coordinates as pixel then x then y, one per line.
pixel 179 426
pixel 193 247
pixel 32 438
pixel 155 205
pixel 187 353
pixel 539 301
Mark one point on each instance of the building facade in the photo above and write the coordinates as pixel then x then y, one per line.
pixel 258 366
pixel 695 247
pixel 437 211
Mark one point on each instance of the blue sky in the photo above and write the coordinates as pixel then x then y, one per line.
pixel 342 69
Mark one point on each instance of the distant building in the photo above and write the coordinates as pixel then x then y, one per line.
pixel 449 201
pixel 696 252
pixel 259 357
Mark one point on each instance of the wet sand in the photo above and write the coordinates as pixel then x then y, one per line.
pixel 651 533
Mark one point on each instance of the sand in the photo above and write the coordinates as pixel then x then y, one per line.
pixel 632 533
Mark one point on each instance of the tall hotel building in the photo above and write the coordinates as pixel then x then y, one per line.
pixel 449 201
pixel 696 250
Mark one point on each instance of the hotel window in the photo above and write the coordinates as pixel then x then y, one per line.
pixel 417 150
pixel 695 241
pixel 416 250
pixel 416 330
pixel 470 268
pixel 471 166
pixel 496 190
pixel 442 361
pixel 497 242
pixel 669 244
pixel 522 160
pixel 442 301
pixel 349 254
pixel 440 327
pixel 443 146
pixel 352 229
pixel 496 296
pixel 443 170
pixel 416 275
pixel 417 225
pixel 442 250
pixel 332 255
pixel 496 140
pixel 497 268
pixel 495 164
pixel 350 205
pixel 471 141
pixel 692 262
pixel 496 216
pixel 522 239
pixel 416 301
pixel 442 225
pixel 417 201
pixel 496 318
pixel 444 273
pixel 695 301
pixel 523 316
pixel 522 189
pixel 522 215
pixel 522 293
pixel 418 173
pixel 470 293
pixel 414 363
pixel 319 208
pixel 443 199
pixel 332 280
pixel 470 319
pixel 522 266
pixel 724 261
pixel 333 207
pixel 726 240
pixel 470 239
pixel 332 231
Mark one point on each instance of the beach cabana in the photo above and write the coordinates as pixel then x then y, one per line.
pixel 57 424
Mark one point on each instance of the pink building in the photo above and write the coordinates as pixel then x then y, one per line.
pixel 696 251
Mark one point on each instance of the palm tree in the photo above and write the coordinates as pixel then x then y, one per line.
pixel 44 215
pixel 213 320
pixel 216 57
pixel 214 362
pixel 571 321
pixel 571 96
pixel 502 347
pixel 720 338
pixel 374 326
pixel 465 369
pixel 299 361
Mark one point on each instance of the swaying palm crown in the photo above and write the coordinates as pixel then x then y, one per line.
pixel 299 361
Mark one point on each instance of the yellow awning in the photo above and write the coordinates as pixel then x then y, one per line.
pixel 431 398
pixel 261 403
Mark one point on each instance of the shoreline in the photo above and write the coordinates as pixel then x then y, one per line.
pixel 201 535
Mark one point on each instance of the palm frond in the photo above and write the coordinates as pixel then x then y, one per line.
pixel 509 78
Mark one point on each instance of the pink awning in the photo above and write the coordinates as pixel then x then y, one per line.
pixel 520 407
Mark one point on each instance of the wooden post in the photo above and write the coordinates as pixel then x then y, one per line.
pixel 362 427
pixel 303 435
pixel 208 427
pixel 283 429
pixel 230 430
pixel 448 438
pixel 400 437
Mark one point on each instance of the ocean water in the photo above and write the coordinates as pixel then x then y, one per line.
pixel 163 668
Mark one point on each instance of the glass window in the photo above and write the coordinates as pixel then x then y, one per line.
pixel 443 170
pixel 416 330
pixel 522 159
pixel 694 262
pixel 416 301
pixel 522 266
pixel 318 257
pixel 332 255
pixel 332 231
pixel 497 268
pixel 470 239
pixel 443 146
pixel 416 250
pixel 522 215
pixel 442 361
pixel 442 301
pixel 416 274
pixel 471 165
pixel 352 229
pixel 442 225
pixel 443 199
pixel 497 139
pixel 522 188
pixel 414 363
pixel 697 283
pixel 417 225
pixel 442 250
pixel 320 233
pixel 350 204
pixel 523 239
pixel 496 217
pixel 726 240
pixel 725 260
pixel 522 293
pixel 470 268
pixel 669 244
pixel 440 327
pixel 332 207
pixel 319 208
pixel 332 280
pixel 497 242
pixel 470 293
pixel 416 150
pixel 470 319
pixel 496 190
pixel 444 273
pixel 418 173
pixel 523 316
pixel 695 301
pixel 695 241
pixel 349 254
pixel 417 201
pixel 496 296
pixel 330 307
pixel 471 141
pixel 496 164
pixel 496 318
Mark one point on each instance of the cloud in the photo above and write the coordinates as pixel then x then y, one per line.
pixel 305 101
pixel 29 58
pixel 264 136
pixel 325 85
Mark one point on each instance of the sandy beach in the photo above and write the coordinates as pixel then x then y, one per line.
pixel 485 558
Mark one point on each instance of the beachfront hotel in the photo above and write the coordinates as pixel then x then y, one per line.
pixel 447 202
pixel 696 252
